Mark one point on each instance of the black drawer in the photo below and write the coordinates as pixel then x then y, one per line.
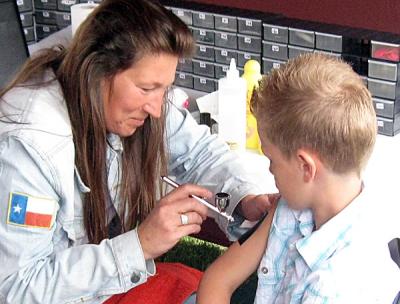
pixel 386 108
pixel 301 37
pixel 204 36
pixel 45 17
pixel 328 42
pixel 204 84
pixel 243 57
pixel 295 51
pixel 24 5
pixel 203 68
pixel 383 89
pixel 45 4
pixel 275 50
pixel 388 126
pixel 65 5
pixel 225 23
pixel 224 55
pixel 26 19
pixel 270 64
pixel 250 26
pixel 276 33
pixel 385 51
pixel 185 65
pixel 205 52
pixel 383 70
pixel 249 43
pixel 184 14
pixel 184 80
pixel 203 19
pixel 226 40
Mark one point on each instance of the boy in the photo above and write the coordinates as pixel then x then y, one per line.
pixel 317 126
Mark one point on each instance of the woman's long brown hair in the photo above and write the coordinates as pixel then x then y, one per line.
pixel 112 39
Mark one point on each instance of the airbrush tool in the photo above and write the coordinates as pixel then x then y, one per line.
pixel 221 199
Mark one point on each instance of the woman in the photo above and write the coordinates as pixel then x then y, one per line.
pixel 82 148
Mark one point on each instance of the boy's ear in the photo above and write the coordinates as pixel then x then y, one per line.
pixel 307 163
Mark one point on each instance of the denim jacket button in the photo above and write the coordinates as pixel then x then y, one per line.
pixel 264 270
pixel 135 278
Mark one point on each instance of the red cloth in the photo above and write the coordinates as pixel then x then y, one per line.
pixel 172 284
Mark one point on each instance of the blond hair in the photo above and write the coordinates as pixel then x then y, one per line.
pixel 319 103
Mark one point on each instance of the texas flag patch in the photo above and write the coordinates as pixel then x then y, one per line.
pixel 29 211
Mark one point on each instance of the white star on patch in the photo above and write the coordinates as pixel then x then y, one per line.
pixel 17 209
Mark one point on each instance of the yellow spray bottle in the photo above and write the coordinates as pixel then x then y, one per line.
pixel 252 75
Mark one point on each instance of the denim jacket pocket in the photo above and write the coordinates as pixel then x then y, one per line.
pixel 76 232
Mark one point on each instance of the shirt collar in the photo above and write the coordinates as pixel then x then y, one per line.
pixel 335 234
pixel 115 142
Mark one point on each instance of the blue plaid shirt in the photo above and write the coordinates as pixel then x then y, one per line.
pixel 338 263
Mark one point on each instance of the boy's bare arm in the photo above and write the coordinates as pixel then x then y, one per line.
pixel 231 269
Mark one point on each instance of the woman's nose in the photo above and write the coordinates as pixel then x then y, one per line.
pixel 153 107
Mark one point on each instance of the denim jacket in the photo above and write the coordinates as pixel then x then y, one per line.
pixel 53 263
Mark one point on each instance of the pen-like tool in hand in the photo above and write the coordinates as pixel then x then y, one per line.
pixel 203 201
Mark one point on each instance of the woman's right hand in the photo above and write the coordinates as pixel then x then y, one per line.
pixel 163 228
